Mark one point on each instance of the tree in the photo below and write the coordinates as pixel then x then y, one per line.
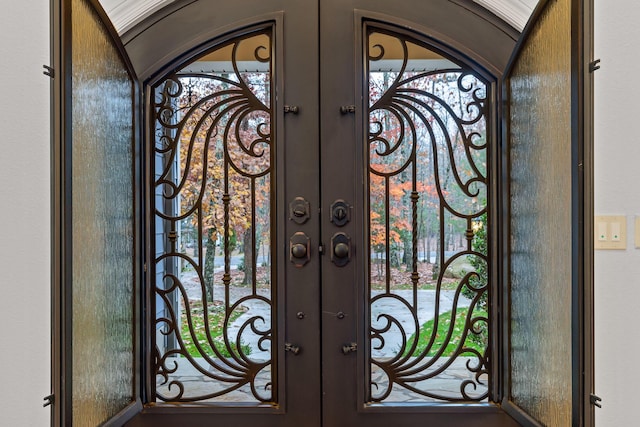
pixel 221 129
pixel 426 139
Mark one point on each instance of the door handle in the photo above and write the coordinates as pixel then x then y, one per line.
pixel 299 249
pixel 340 249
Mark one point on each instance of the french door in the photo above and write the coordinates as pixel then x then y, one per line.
pixel 325 193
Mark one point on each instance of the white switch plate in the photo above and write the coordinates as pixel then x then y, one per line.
pixel 614 230
pixel 638 232
pixel 601 232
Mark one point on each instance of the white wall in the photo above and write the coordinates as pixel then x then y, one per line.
pixel 24 216
pixel 24 234
pixel 617 159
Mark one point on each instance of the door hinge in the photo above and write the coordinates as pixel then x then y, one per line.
pixel 48 400
pixel 49 71
pixel 594 65
pixel 144 267
pixel 595 400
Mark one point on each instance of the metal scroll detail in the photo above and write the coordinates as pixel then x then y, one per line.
pixel 428 281
pixel 213 187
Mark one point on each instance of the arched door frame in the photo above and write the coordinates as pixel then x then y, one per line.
pixel 172 37
pixel 177 31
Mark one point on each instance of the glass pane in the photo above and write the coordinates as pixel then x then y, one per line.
pixel 214 191
pixel 428 284
pixel 541 209
pixel 102 223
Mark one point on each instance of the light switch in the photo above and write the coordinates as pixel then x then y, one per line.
pixel 638 232
pixel 601 233
pixel 615 231
pixel 611 232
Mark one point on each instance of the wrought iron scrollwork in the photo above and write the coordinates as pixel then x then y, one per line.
pixel 427 162
pixel 213 184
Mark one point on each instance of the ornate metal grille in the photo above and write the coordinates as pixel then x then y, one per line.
pixel 214 188
pixel 428 282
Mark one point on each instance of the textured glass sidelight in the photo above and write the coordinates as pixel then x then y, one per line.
pixel 102 223
pixel 214 187
pixel 541 172
pixel 428 284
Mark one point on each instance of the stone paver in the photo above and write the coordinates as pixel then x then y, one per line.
pixel 447 382
pixel 425 308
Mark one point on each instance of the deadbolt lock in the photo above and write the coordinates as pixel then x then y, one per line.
pixel 299 210
pixel 340 213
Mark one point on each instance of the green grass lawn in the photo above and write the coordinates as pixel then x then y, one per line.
pixel 477 342
pixel 216 323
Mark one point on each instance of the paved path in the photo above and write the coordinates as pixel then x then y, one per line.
pixel 400 309
pixel 398 306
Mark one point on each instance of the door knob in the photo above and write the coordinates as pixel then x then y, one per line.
pixel 299 249
pixel 341 249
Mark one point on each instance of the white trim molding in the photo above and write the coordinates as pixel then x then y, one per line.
pixel 514 12
pixel 124 14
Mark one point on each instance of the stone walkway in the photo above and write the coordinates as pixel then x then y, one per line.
pixel 447 383
pixel 398 307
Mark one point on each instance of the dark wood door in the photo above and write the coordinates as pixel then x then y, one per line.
pixel 340 143
pixel 383 59
pixel 405 333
